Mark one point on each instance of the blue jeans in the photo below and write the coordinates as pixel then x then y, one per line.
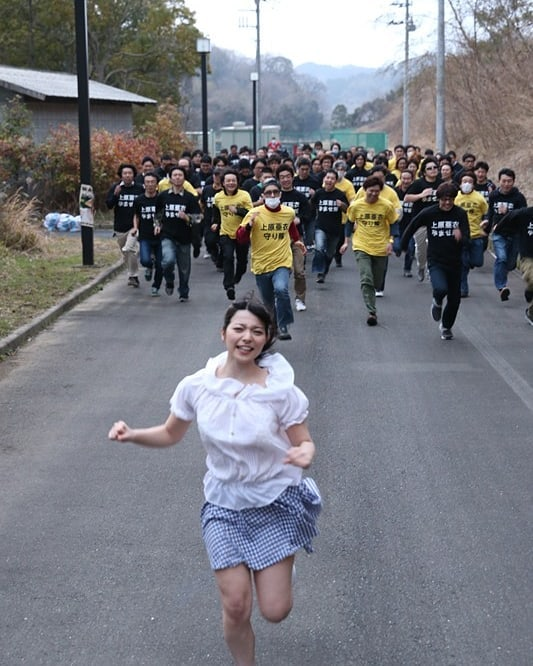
pixel 176 253
pixel 274 289
pixel 309 231
pixel 446 283
pixel 409 255
pixel 325 246
pixel 472 258
pixel 152 248
pixel 506 251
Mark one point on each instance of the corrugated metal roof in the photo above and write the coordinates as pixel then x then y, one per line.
pixel 47 85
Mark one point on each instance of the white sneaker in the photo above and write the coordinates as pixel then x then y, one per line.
pixel 379 293
pixel 300 305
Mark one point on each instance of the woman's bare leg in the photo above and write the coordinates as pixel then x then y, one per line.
pixel 274 590
pixel 235 587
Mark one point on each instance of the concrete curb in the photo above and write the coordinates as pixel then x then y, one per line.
pixel 25 333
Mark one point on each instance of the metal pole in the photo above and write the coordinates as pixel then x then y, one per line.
pixel 258 66
pixel 205 145
pixel 82 63
pixel 405 127
pixel 254 111
pixel 440 138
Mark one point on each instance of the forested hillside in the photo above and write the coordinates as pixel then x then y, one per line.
pixel 489 89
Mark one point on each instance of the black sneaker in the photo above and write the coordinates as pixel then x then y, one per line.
pixel 148 274
pixel 133 281
pixel 183 299
pixel 196 252
pixel 445 333
pixel 505 293
pixel 230 293
pixel 436 310
pixel 284 333
pixel 372 319
pixel 169 289
pixel 320 278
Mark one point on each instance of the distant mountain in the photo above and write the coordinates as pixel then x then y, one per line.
pixel 351 85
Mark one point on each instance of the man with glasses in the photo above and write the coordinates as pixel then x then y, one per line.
pixel 290 196
pixel 307 184
pixel 328 204
pixel 270 229
pixel 255 179
pixel 423 194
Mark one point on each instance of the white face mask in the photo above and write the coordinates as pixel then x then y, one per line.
pixel 466 188
pixel 272 202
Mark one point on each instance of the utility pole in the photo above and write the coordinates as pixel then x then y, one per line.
pixel 409 27
pixel 440 123
pixel 243 23
pixel 258 66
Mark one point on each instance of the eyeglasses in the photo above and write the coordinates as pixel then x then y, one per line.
pixel 432 168
pixel 271 192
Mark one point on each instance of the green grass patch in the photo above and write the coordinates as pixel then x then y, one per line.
pixel 32 282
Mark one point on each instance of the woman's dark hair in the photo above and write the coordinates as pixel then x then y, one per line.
pixel 257 308
pixel 447 190
pixel 373 181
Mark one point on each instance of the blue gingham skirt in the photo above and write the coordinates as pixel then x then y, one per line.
pixel 260 537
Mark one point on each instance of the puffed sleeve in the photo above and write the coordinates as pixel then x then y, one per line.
pixel 294 408
pixel 184 399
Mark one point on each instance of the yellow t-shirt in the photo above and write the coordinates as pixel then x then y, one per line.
pixel 476 208
pixel 165 184
pixel 270 240
pixel 229 222
pixel 388 193
pixel 373 222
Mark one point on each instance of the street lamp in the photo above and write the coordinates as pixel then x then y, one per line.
pixel 254 78
pixel 203 47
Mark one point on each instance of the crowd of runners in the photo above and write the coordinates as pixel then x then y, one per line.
pixel 296 215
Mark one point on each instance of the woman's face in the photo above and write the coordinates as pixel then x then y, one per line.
pixel 245 336
pixel 445 171
pixel 401 163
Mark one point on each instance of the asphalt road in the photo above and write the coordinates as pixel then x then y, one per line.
pixel 424 461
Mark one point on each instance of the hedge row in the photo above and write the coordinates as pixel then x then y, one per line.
pixel 50 171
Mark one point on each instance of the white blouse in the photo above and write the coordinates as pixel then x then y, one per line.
pixel 242 427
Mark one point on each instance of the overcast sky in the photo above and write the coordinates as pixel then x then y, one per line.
pixel 338 33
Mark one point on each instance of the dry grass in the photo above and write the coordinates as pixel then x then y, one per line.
pixel 19 220
pixel 35 280
pixel 487 109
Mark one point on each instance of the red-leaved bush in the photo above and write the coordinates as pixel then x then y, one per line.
pixel 51 171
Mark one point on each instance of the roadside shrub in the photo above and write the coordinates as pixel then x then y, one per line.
pixel 19 223
pixel 17 159
pixel 57 167
pixel 50 171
